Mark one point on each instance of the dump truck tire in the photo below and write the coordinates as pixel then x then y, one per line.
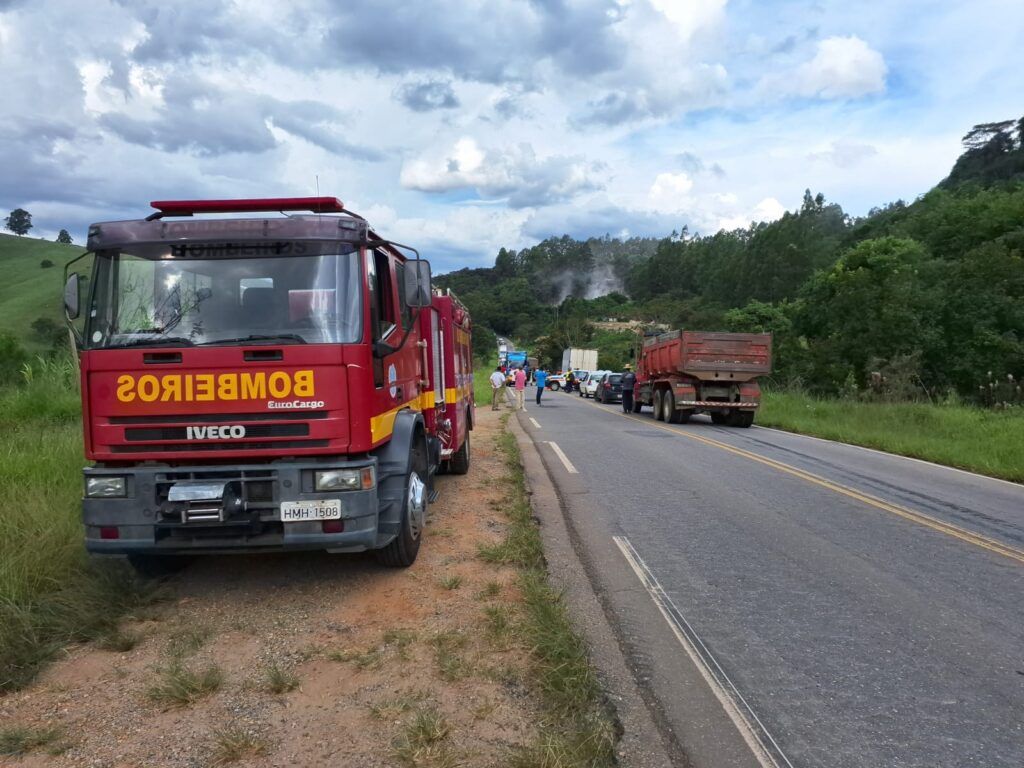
pixel 719 418
pixel 741 419
pixel 659 414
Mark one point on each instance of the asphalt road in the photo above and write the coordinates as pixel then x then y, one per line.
pixel 785 600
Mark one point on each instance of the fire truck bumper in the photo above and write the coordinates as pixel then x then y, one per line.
pixel 230 509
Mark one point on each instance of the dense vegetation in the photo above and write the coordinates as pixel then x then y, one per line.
pixel 921 300
pixel 50 592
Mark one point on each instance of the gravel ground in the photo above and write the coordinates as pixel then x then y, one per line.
pixel 366 646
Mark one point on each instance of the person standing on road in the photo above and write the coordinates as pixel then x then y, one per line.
pixel 497 382
pixel 520 387
pixel 570 379
pixel 628 382
pixel 540 378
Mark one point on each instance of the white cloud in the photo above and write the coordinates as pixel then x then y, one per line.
pixel 516 173
pixel 844 153
pixel 767 210
pixel 668 192
pixel 842 68
pixel 691 16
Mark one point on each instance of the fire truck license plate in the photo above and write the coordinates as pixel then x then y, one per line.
pixel 317 509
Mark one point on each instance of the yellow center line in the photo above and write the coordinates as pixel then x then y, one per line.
pixel 908 514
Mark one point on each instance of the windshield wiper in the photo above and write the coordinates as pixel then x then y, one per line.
pixel 257 338
pixel 178 341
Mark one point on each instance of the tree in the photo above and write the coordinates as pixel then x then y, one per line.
pixel 64 237
pixel 19 222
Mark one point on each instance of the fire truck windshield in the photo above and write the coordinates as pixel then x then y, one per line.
pixel 150 298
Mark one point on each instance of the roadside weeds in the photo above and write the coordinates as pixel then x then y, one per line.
pixel 466 659
pixel 576 729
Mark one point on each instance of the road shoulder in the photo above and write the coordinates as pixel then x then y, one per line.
pixel 642 743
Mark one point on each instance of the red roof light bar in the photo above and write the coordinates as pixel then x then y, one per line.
pixel 252 205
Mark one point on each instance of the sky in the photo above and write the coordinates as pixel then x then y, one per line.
pixel 461 126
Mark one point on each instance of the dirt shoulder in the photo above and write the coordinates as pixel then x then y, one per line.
pixel 308 660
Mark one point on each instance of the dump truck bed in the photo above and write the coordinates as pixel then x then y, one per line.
pixel 708 356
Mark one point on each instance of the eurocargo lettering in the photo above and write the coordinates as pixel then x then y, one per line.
pixel 264 383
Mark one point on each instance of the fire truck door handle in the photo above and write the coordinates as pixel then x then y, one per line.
pixel 398 393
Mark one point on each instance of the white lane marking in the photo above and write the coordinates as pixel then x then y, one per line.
pixel 565 459
pixel 1012 484
pixel 534 422
pixel 732 701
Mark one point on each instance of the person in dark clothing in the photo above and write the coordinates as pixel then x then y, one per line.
pixel 628 382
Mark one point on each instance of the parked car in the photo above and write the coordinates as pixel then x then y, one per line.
pixel 589 387
pixel 556 381
pixel 609 389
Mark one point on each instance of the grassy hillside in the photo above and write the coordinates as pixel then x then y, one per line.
pixel 27 291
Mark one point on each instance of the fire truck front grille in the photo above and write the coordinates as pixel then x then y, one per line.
pixel 212 432
pixel 181 433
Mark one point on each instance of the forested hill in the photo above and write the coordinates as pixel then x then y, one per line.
pixel 921 299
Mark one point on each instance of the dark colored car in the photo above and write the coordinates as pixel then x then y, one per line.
pixel 609 388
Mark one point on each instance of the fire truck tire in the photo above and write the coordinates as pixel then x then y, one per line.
pixel 157 566
pixel 659 414
pixel 402 551
pixel 717 417
pixel 459 463
pixel 741 419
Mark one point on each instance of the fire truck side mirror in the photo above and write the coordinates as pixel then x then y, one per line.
pixel 417 283
pixel 71 296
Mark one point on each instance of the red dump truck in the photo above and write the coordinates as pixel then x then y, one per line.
pixel 264 383
pixel 681 373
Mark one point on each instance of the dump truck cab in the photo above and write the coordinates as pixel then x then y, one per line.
pixel 254 383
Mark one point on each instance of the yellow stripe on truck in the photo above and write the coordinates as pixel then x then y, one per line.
pixel 383 425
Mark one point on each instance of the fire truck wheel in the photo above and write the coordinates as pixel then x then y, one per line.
pixel 659 414
pixel 459 463
pixel 157 566
pixel 402 551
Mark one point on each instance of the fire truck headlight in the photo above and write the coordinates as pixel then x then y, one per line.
pixel 104 487
pixel 345 479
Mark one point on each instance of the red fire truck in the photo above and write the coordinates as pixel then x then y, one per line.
pixel 264 383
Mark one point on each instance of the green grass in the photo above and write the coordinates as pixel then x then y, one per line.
pixel 481 380
pixel 576 729
pixel 27 291
pixel 50 593
pixel 984 441
pixel 422 742
pixel 278 680
pixel 450 581
pixel 233 745
pixel 177 685
pixel 20 741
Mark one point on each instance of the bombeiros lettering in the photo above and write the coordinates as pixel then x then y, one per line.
pixel 232 432
pixel 208 387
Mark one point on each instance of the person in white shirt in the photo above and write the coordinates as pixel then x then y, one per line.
pixel 497 384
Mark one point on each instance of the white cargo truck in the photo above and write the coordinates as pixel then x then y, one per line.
pixel 577 359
